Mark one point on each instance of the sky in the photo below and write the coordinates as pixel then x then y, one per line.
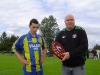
pixel 16 14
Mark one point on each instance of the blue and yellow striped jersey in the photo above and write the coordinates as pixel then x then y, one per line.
pixel 31 48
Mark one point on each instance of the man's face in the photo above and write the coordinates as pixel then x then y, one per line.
pixel 33 28
pixel 69 22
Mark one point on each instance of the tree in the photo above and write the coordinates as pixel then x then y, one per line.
pixel 6 42
pixel 49 29
pixel 3 39
pixel 96 47
pixel 10 41
pixel 13 38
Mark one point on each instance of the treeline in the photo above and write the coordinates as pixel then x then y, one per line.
pixel 7 42
pixel 96 47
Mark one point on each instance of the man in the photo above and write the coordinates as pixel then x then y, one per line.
pixel 31 45
pixel 74 40
pixel 95 56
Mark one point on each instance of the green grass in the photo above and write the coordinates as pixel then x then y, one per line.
pixel 10 65
pixel 93 67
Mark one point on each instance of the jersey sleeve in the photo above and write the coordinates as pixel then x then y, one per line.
pixel 44 44
pixel 18 44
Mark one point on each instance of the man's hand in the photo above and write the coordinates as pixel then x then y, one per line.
pixel 44 55
pixel 66 56
pixel 42 60
pixel 24 62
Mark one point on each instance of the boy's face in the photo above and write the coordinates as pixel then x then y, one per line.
pixel 33 28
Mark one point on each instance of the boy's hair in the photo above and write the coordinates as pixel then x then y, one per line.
pixel 33 21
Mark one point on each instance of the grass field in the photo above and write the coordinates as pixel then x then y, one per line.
pixel 10 65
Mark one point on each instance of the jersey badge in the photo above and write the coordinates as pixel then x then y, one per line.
pixel 74 36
